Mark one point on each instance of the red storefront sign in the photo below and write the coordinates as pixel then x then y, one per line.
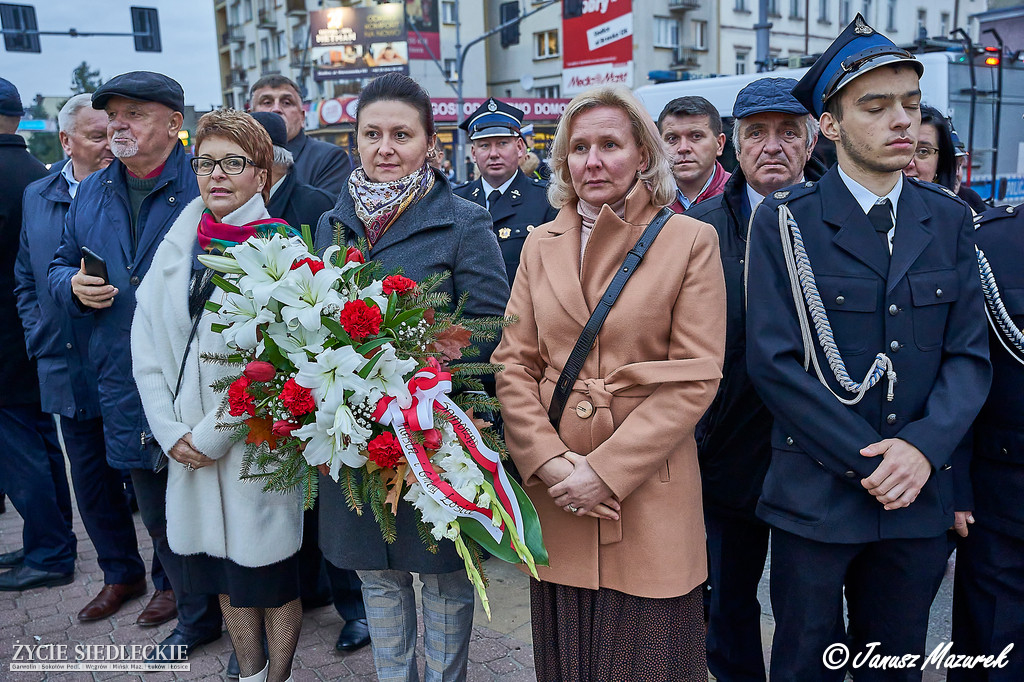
pixel 534 108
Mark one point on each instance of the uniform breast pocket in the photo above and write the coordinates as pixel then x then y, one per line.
pixel 847 299
pixel 931 293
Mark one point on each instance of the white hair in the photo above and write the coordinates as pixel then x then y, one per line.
pixel 810 124
pixel 283 157
pixel 69 112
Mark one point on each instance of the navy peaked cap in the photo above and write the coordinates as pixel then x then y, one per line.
pixel 858 50
pixel 144 86
pixel 494 118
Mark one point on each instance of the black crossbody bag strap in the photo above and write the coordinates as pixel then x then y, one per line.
pixel 586 341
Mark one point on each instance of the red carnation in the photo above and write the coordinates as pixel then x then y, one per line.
pixel 297 399
pixel 397 283
pixel 360 320
pixel 258 370
pixel 384 450
pixel 239 400
pixel 354 255
pixel 314 265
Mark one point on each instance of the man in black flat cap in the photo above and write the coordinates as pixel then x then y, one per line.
pixel 873 362
pixel 122 213
pixel 517 203
pixel 773 138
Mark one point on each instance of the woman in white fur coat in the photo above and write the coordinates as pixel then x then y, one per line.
pixel 238 541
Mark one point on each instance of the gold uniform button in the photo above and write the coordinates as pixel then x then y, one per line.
pixel 584 409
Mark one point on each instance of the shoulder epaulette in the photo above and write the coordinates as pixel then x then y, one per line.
pixel 794 192
pixel 993 214
pixel 938 189
pixel 540 182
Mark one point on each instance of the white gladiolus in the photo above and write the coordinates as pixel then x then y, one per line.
pixel 436 516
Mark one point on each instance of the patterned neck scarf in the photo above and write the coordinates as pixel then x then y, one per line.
pixel 378 204
pixel 214 236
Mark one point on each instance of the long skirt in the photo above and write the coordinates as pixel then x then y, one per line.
pixel 582 635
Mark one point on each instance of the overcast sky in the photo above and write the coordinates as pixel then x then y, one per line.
pixel 186 29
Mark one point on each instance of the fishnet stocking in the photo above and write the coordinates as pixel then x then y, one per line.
pixel 283 625
pixel 245 625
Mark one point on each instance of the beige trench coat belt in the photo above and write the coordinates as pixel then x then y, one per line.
pixel 635 380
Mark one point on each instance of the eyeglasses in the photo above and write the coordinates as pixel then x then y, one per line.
pixel 925 152
pixel 231 165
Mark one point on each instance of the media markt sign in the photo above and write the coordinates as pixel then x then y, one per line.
pixel 597 44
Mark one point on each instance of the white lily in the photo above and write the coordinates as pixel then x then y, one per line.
pixel 333 373
pixel 335 438
pixel 244 318
pixel 389 374
pixel 224 264
pixel 304 302
pixel 298 344
pixel 265 263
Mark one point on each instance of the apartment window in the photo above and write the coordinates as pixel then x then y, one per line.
pixel 234 12
pixel 944 25
pixel 773 8
pixel 823 11
pixel 237 62
pixel 741 62
pixel 450 70
pixel 740 6
pixel 247 4
pixel 666 32
pixel 794 9
pixel 844 12
pixel 300 34
pixel 890 15
pixel 700 35
pixel 448 11
pixel 252 56
pixel 545 44
pixel 922 22
pixel 229 100
pixel 866 10
pixel 279 49
pixel 548 91
pixel 264 48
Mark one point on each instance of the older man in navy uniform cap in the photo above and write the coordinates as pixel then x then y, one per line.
pixel 988 595
pixel 866 338
pixel 517 204
pixel 773 138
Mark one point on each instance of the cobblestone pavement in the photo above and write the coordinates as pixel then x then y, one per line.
pixel 499 650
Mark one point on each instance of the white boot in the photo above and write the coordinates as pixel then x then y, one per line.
pixel 261 676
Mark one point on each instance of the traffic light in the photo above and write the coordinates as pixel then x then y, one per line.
pixel 991 55
pixel 146 29
pixel 508 12
pixel 18 18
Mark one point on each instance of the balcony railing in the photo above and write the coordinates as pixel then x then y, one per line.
pixel 295 7
pixel 683 5
pixel 236 78
pixel 685 58
pixel 268 66
pixel 266 19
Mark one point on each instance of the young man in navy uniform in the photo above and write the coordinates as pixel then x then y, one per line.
pixel 517 204
pixel 988 594
pixel 866 338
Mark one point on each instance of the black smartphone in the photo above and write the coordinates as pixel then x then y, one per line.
pixel 94 265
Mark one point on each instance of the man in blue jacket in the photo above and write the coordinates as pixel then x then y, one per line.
pixel 122 213
pixel 866 339
pixel 57 342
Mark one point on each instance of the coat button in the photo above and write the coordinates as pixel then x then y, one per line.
pixel 1004 451
pixel 135 280
pixel 850 474
pixel 894 346
pixel 69 346
pixel 789 440
pixel 893 309
pixel 938 293
pixel 584 409
pixel 891 419
pixel 840 300
pixel 171 200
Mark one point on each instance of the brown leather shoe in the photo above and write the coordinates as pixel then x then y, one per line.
pixel 110 599
pixel 161 608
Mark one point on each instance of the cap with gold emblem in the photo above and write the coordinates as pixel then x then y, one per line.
pixel 858 50
pixel 494 119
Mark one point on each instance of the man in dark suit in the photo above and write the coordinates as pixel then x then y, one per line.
pixel 988 593
pixel 874 367
pixel 773 138
pixel 31 463
pixel 317 163
pixel 517 204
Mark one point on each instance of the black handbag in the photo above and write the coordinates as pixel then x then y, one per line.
pixel 586 341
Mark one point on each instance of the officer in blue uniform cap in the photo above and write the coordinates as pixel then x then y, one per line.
pixel 517 203
pixel 866 338
pixel 988 593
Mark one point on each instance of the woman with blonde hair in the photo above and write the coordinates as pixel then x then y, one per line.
pixel 236 541
pixel 613 474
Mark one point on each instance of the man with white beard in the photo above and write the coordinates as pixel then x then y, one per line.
pixel 121 213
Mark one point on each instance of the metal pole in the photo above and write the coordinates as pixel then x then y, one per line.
pixel 460 145
pixel 999 109
pixel 761 29
pixel 974 98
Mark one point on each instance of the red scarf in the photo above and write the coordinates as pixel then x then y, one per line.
pixel 215 236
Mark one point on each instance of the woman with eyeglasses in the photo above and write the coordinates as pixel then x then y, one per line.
pixel 237 541
pixel 935 158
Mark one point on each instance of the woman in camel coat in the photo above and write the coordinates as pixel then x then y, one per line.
pixel 616 486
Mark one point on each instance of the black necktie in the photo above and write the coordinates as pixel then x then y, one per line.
pixel 493 197
pixel 880 216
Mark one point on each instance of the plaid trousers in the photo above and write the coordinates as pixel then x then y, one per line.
pixel 448 600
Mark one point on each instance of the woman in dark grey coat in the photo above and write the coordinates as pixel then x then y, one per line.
pixel 408 215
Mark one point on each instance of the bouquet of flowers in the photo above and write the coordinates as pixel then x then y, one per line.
pixel 345 368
